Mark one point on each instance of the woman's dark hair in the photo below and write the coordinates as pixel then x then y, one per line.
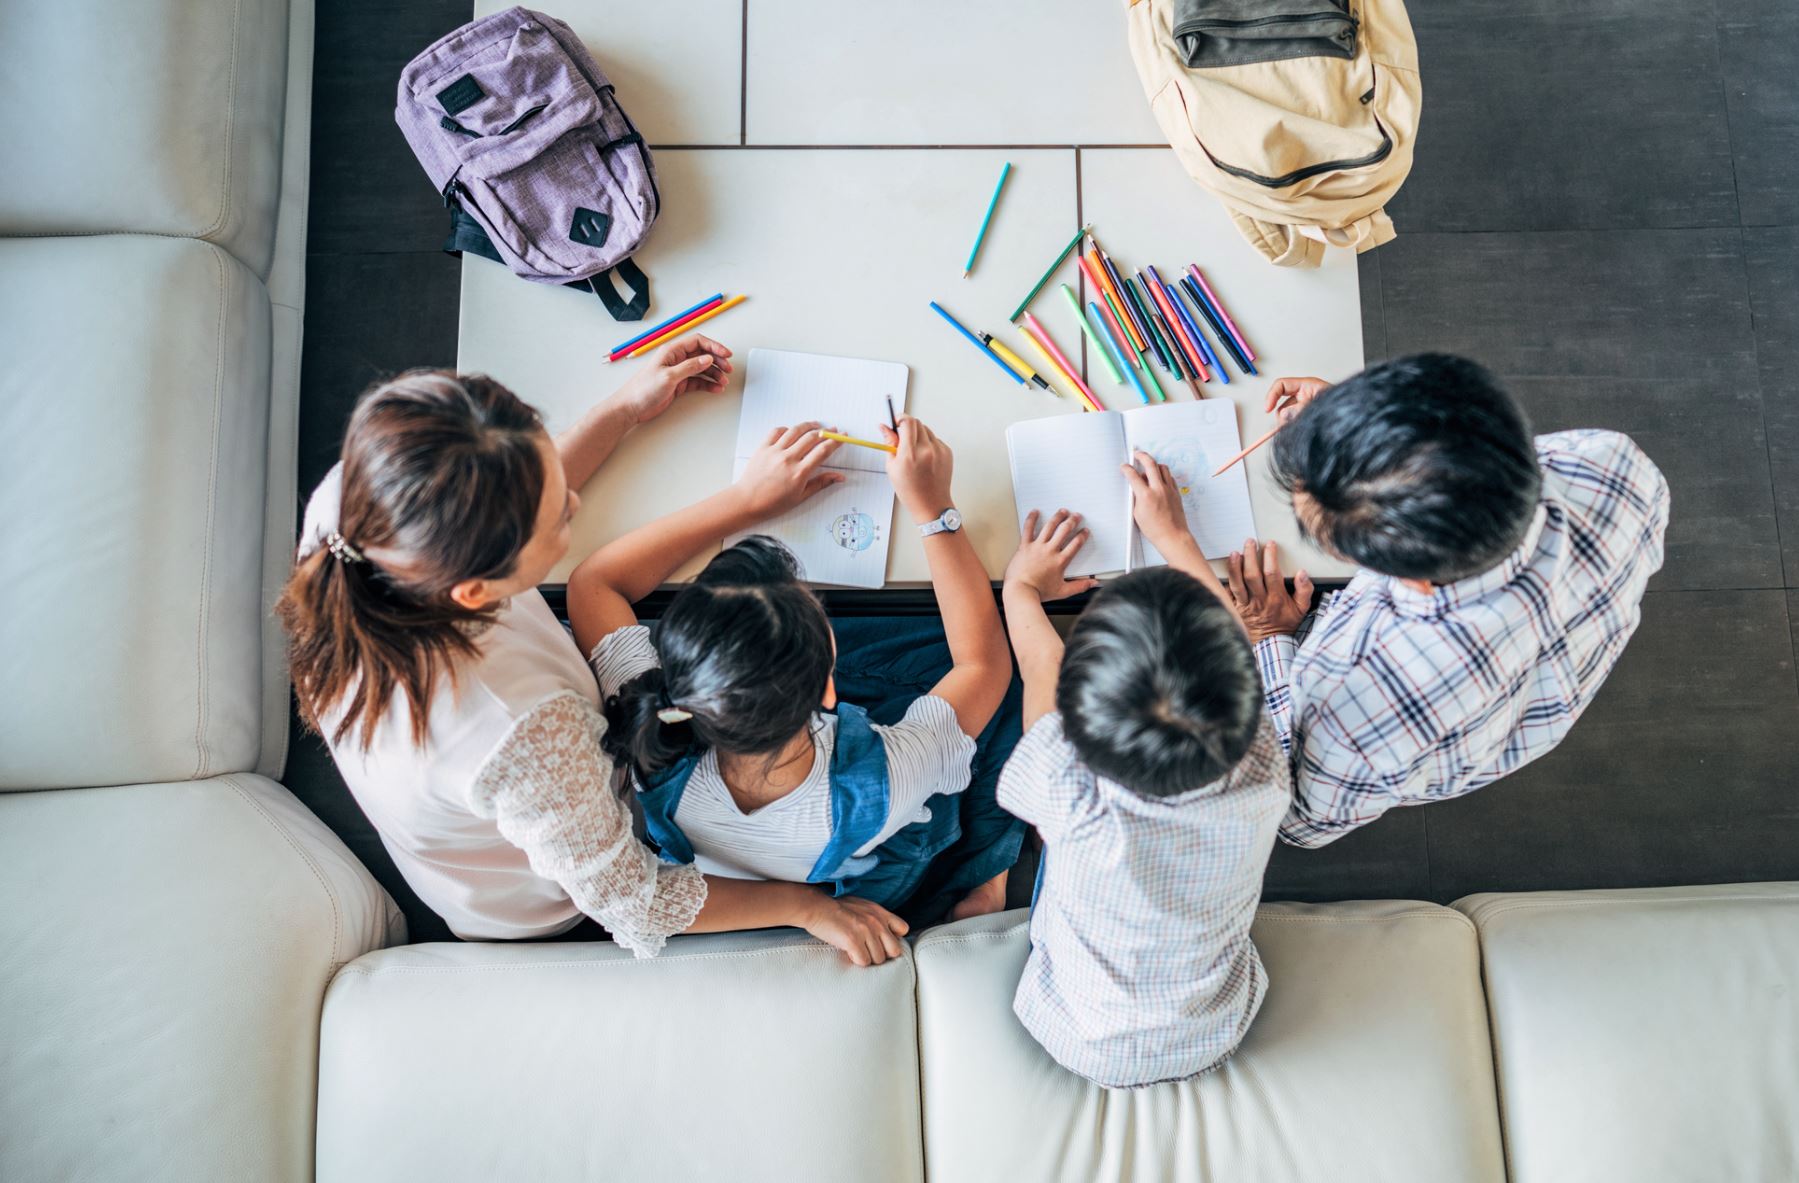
pixel 443 471
pixel 1159 690
pixel 1419 468
pixel 745 649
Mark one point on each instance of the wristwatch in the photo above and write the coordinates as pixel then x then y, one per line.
pixel 947 522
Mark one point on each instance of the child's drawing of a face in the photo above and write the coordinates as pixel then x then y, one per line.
pixel 853 531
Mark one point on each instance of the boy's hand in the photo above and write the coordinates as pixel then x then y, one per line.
pixel 787 469
pixel 1040 564
pixel 680 367
pixel 860 929
pixel 1288 396
pixel 920 469
pixel 1260 594
pixel 1156 501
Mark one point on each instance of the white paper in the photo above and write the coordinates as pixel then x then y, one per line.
pixel 1072 462
pixel 840 536
pixel 1193 439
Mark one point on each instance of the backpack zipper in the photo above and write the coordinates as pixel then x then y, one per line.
pixel 1312 170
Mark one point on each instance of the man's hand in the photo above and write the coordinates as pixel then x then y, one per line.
pixel 1156 501
pixel 680 367
pixel 1040 564
pixel 860 929
pixel 1261 596
pixel 787 469
pixel 1288 396
pixel 920 468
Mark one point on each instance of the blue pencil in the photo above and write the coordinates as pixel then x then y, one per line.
pixel 981 237
pixel 1117 351
pixel 978 344
pixel 1223 334
pixel 1199 338
pixel 715 298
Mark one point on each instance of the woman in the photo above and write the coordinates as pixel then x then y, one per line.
pixel 458 709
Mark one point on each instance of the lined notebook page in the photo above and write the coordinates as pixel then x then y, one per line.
pixel 841 536
pixel 1072 462
pixel 1193 439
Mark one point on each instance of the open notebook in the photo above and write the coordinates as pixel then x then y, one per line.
pixel 841 535
pixel 1072 462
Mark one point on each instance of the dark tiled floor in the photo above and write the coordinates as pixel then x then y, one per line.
pixel 1604 210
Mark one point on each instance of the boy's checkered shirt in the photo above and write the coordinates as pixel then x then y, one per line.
pixel 1398 697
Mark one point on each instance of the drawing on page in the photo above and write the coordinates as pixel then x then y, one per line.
pixel 854 531
pixel 1186 462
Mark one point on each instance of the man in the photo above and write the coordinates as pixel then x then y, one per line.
pixel 1500 579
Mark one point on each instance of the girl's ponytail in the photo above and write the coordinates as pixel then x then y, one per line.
pixel 636 732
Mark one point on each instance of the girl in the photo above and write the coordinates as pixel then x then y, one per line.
pixel 746 761
pixel 456 706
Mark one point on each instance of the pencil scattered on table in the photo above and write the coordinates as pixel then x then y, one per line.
pixel 1218 330
pixel 1060 259
pixel 681 326
pixel 1117 349
pixel 850 439
pixel 1011 359
pixel 979 344
pixel 618 351
pixel 992 202
pixel 1092 332
pixel 1039 335
pixel 1240 456
pixel 1193 269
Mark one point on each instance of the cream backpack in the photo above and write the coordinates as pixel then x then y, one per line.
pixel 1300 115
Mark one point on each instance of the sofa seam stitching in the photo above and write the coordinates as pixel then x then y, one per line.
pixel 1500 909
pixel 224 213
pixel 202 763
pixel 811 949
pixel 337 960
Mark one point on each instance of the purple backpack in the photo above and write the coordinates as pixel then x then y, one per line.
pixel 540 168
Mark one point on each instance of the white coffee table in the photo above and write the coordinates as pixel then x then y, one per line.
pixel 841 249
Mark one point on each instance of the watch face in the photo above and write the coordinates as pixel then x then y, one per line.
pixel 951 519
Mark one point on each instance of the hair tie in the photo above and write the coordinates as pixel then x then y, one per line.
pixel 670 713
pixel 341 550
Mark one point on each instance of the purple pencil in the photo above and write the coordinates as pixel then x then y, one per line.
pixel 1236 333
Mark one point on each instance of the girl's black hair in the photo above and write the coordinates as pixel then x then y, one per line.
pixel 745 648
pixel 1159 690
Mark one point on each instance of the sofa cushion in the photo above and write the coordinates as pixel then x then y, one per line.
pixel 133 425
pixel 158 116
pixel 164 953
pixel 1646 1034
pixel 761 1056
pixel 1369 1061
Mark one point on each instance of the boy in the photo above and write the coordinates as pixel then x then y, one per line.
pixel 1150 768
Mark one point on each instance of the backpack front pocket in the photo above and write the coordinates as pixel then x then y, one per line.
pixel 1214 33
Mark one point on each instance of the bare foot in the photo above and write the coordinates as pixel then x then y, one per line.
pixel 988 897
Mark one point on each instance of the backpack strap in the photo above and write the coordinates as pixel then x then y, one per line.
pixel 466 234
pixel 635 281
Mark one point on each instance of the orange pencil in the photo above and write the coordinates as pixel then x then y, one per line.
pixel 1266 436
pixel 1096 277
pixel 677 330
pixel 1105 278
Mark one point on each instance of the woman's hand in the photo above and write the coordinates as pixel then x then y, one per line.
pixel 1288 396
pixel 680 367
pixel 787 469
pixel 1156 501
pixel 1040 564
pixel 862 930
pixel 1260 594
pixel 920 468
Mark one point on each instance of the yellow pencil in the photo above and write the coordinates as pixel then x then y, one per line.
pixel 679 329
pixel 850 439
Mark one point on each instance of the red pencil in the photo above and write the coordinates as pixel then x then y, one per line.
pixel 642 338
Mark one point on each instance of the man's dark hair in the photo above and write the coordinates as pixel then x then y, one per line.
pixel 1159 690
pixel 1420 468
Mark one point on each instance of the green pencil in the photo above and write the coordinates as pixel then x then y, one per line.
pixel 1060 259
pixel 1092 331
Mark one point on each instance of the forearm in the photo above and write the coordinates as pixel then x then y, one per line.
pixel 964 594
pixel 586 445
pixel 735 904
pixel 1038 648
pixel 641 561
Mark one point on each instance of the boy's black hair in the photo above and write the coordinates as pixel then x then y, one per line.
pixel 1420 468
pixel 1159 690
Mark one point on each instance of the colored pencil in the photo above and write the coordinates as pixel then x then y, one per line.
pixel 1118 293
pixel 1165 339
pixel 978 344
pixel 850 439
pixel 1066 251
pixel 1048 364
pixel 1092 332
pixel 1174 297
pixel 1127 331
pixel 1218 329
pixel 1117 323
pixel 1072 379
pixel 1047 343
pixel 1264 438
pixel 1135 300
pixel 1012 359
pixel 1177 330
pixel 1130 371
pixel 618 351
pixel 1218 304
pixel 1104 302
pixel 992 203
pixel 676 330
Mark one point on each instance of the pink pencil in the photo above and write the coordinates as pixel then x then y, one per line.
pixel 1219 304
pixel 1043 338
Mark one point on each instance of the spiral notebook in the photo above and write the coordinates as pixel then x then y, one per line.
pixel 841 535
pixel 1072 462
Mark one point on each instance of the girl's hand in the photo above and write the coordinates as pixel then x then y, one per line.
pixel 787 469
pixel 1156 501
pixel 1040 564
pixel 862 930
pixel 680 367
pixel 920 469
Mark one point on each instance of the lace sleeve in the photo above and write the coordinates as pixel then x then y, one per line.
pixel 549 788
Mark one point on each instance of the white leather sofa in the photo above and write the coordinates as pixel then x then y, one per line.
pixel 194 983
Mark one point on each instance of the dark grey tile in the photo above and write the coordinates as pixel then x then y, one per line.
pixel 1623 304
pixel 1773 259
pixel 367 316
pixel 1707 439
pixel 1759 45
pixel 1374 316
pixel 1387 859
pixel 1568 115
pixel 1681 771
pixel 368 191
